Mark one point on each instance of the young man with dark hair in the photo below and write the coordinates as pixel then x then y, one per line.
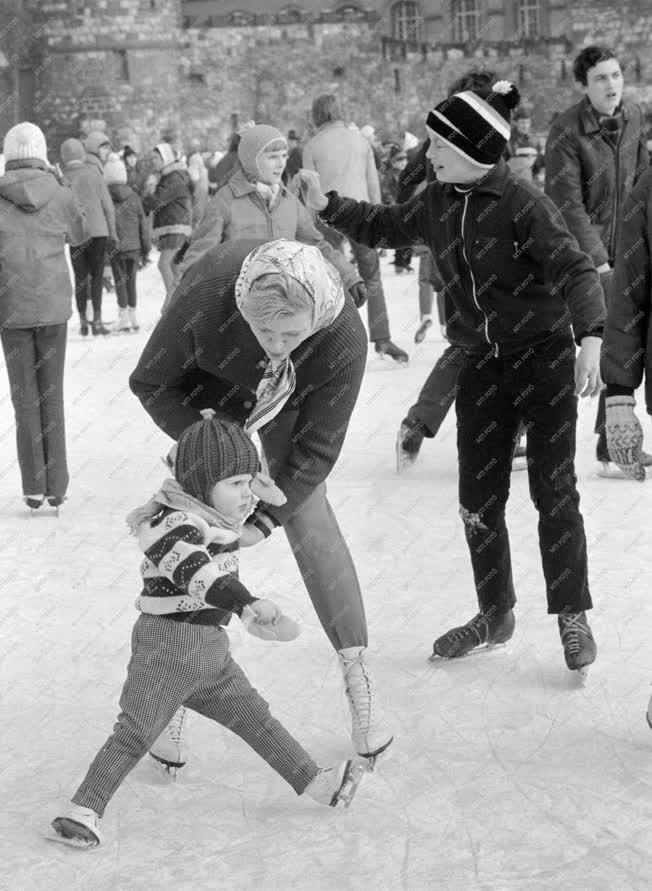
pixel 595 153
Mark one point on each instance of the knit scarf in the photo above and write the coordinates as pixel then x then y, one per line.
pixel 268 193
pixel 172 495
pixel 307 265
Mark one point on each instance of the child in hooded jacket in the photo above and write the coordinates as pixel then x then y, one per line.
pixel 514 281
pixel 169 201
pixel 132 244
pixel 254 203
pixel 190 533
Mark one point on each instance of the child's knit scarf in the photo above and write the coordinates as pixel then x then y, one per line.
pixel 172 495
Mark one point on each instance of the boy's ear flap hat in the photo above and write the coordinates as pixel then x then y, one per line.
pixel 212 450
pixel 478 129
pixel 253 142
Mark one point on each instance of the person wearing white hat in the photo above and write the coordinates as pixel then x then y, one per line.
pixel 37 217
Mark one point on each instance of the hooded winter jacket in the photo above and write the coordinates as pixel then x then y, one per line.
pixel 627 344
pixel 237 210
pixel 171 203
pixel 130 221
pixel 91 192
pixel 37 217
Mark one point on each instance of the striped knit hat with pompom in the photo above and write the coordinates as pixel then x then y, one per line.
pixel 212 450
pixel 478 129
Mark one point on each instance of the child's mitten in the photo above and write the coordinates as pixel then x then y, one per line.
pixel 268 625
pixel 624 436
pixel 263 487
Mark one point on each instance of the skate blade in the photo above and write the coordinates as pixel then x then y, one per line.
pixel 476 651
pixel 354 773
pixel 165 768
pixel 369 761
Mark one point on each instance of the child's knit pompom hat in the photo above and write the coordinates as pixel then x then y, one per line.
pixel 253 142
pixel 212 450
pixel 476 128
pixel 25 142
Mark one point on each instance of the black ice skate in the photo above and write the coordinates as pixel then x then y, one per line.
pixel 387 348
pixel 579 646
pixel 408 443
pixel 421 331
pixel 485 630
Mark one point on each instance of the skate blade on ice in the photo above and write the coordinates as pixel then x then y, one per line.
pixel 353 775
pixel 370 761
pixel 476 651
pixel 73 834
pixel 165 768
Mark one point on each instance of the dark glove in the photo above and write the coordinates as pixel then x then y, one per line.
pixel 358 292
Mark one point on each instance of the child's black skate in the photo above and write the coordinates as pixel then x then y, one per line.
pixel 389 349
pixel 337 785
pixel 33 502
pixel 577 639
pixel 484 630
pixel 420 334
pixel 408 443
pixel 79 828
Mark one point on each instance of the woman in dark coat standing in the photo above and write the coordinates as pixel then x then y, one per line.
pixel 264 336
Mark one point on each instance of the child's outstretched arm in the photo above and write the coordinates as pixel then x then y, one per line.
pixel 376 225
pixel 175 546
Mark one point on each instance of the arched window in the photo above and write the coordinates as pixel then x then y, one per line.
pixel 466 20
pixel 529 18
pixel 406 20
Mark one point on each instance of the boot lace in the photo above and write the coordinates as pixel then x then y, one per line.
pixel 360 692
pixel 175 727
pixel 478 625
pixel 573 624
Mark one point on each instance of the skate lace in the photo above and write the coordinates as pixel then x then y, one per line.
pixel 572 626
pixel 175 727
pixel 360 693
pixel 473 626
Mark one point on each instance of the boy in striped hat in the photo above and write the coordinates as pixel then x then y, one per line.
pixel 519 295
pixel 190 534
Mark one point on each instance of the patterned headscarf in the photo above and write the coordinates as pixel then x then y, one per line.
pixel 308 266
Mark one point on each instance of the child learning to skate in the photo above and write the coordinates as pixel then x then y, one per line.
pixel 189 533
pixel 515 281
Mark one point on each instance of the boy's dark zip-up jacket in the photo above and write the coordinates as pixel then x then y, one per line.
pixel 512 273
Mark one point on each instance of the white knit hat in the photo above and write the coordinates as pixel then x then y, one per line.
pixel 115 171
pixel 25 142
pixel 167 153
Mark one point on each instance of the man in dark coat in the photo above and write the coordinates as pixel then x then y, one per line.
pixel 595 152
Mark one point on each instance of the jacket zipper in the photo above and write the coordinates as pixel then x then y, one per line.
pixel 475 298
pixel 612 232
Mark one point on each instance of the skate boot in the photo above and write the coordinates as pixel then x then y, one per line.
pixel 133 320
pixel 80 828
pixel 83 326
pixel 337 785
pixel 123 320
pixel 408 443
pixel 33 502
pixel 97 327
pixel 387 348
pixel 487 629
pixel 370 736
pixel 576 637
pixel 170 749
pixel 420 335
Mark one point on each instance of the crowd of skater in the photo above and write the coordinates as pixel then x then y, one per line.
pixel 539 261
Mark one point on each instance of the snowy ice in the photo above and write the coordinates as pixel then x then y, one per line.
pixel 504 774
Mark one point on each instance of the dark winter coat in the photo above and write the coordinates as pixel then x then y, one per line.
pixel 87 183
pixel 202 354
pixel 512 273
pixel 588 177
pixel 627 345
pixel 130 221
pixel 171 203
pixel 37 217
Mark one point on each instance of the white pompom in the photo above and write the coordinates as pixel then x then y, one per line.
pixel 503 87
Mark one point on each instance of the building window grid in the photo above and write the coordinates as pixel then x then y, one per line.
pixel 529 18
pixel 406 21
pixel 466 21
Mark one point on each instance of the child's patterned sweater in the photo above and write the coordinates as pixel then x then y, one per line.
pixel 190 569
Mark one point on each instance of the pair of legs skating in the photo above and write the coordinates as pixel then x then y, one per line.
pixel 494 396
pixel 174 663
pixel 35 359
pixel 329 575
pixel 88 266
pixel 124 266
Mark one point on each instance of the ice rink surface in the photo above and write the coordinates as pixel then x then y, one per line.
pixel 504 773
